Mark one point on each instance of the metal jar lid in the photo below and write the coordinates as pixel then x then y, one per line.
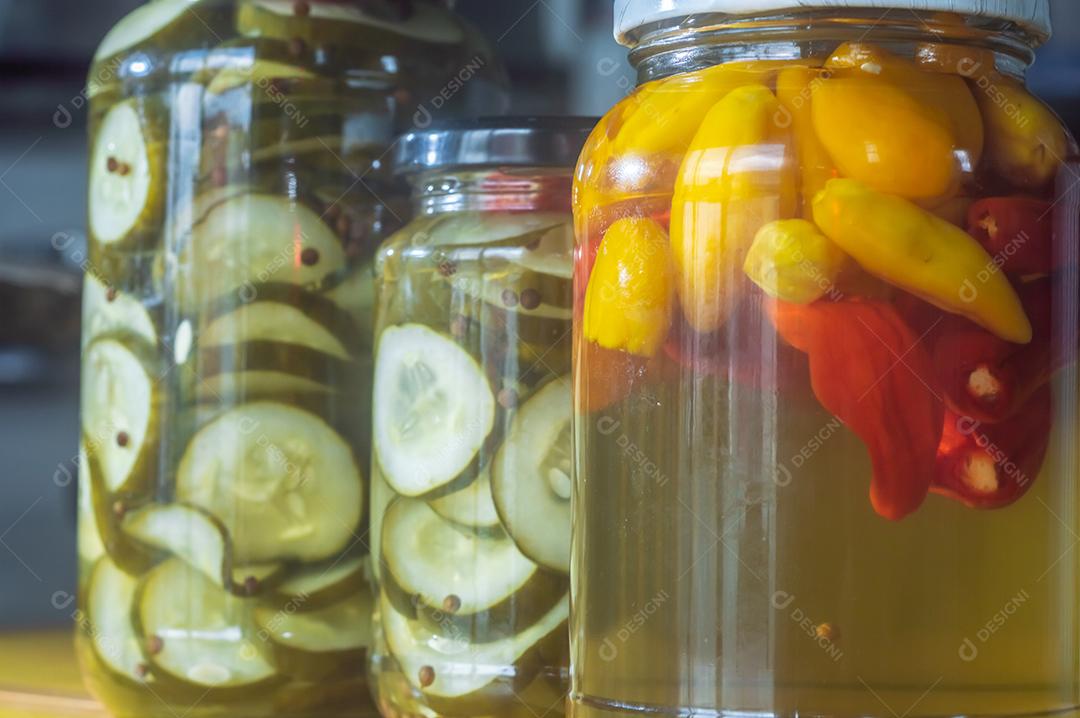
pixel 1032 15
pixel 493 142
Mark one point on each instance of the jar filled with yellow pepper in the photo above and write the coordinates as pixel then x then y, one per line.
pixel 825 384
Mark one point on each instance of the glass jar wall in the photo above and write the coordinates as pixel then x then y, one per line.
pixel 470 496
pixel 825 426
pixel 237 196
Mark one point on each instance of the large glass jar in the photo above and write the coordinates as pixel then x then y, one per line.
pixel 470 494
pixel 237 195
pixel 826 395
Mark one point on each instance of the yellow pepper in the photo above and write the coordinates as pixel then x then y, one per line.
pixel 1026 142
pixel 794 87
pixel 737 176
pixel 896 128
pixel 911 248
pixel 791 260
pixel 630 295
pixel 669 111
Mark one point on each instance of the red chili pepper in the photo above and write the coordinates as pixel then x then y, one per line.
pixel 868 368
pixel 989 379
pixel 988 466
pixel 1017 231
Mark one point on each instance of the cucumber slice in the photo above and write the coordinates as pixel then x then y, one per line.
pixel 106 311
pixel 91 547
pixel 466 583
pixel 109 509
pixel 126 176
pixel 198 538
pixel 276 321
pixel 486 228
pixel 187 532
pixel 553 253
pixel 139 25
pixel 433 408
pixel 315 587
pixel 530 476
pixel 381 496
pixel 108 602
pixel 120 409
pixel 283 482
pixel 471 506
pixel 462 678
pixel 205 634
pixel 318 644
pixel 267 370
pixel 337 22
pixel 258 73
pixel 251 239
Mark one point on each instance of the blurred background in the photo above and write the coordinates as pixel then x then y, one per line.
pixel 561 59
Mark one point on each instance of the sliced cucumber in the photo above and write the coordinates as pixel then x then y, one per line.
pixel 381 496
pixel 127 175
pixel 204 634
pixel 258 72
pixel 283 482
pixel 471 506
pixel 108 602
pixel 355 294
pixel 460 677
pixel 465 583
pixel 553 253
pixel 337 22
pixel 106 311
pixel 91 547
pixel 109 509
pixel 486 228
pixel 317 644
pixel 251 239
pixel 276 321
pixel 315 587
pixel 530 476
pixel 261 369
pixel 140 24
pixel 120 409
pixel 433 408
pixel 187 532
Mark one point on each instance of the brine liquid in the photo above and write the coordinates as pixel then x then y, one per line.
pixel 728 561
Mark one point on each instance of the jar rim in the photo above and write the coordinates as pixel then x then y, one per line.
pixel 632 17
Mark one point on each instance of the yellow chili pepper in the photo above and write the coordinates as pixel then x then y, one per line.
pixel 794 87
pixel 669 111
pixel 737 176
pixel 791 260
pixel 630 295
pixel 1026 142
pixel 895 127
pixel 911 248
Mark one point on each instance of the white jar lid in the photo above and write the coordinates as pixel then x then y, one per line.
pixel 630 14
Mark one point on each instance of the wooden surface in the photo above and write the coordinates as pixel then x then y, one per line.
pixel 39 677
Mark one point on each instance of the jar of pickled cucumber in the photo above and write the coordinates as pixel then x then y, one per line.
pixel 825 381
pixel 237 194
pixel 470 489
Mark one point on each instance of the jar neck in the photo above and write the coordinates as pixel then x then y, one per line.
pixel 494 190
pixel 691 43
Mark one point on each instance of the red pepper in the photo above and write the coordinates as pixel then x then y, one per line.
pixel 868 368
pixel 988 466
pixel 989 379
pixel 1016 231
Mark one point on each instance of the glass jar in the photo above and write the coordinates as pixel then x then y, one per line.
pixel 470 495
pixel 237 196
pixel 825 393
